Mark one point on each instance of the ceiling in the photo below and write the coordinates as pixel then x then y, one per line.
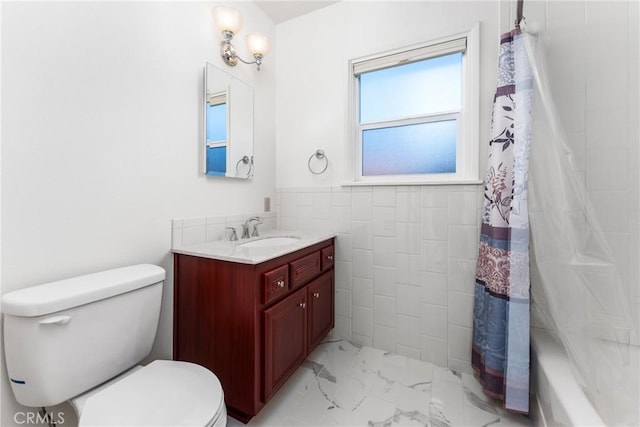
pixel 280 11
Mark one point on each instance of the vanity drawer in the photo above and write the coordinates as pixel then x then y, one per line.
pixel 275 284
pixel 304 269
pixel 327 258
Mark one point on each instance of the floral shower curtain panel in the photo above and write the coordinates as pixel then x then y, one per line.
pixel 500 351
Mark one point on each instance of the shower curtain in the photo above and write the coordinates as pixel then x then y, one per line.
pixel 577 289
pixel 500 350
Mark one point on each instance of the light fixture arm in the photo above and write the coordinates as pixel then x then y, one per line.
pixel 258 60
pixel 229 54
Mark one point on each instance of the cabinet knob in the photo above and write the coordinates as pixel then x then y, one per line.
pixel 280 283
pixel 302 304
pixel 330 257
pixel 316 294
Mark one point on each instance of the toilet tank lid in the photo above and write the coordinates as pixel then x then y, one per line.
pixel 63 294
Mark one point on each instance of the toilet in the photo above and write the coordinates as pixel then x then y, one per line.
pixel 82 340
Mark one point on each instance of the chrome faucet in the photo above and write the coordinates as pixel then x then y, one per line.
pixel 247 223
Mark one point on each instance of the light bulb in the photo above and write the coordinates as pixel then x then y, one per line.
pixel 258 44
pixel 227 19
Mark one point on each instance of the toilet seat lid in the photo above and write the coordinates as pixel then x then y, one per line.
pixel 163 393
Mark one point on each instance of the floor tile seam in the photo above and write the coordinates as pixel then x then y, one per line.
pixel 448 381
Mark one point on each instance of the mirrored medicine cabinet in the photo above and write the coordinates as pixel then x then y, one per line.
pixel 228 125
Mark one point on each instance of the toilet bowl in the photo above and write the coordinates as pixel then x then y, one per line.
pixel 163 393
pixel 81 340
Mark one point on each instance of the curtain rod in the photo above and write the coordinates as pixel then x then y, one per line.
pixel 519 13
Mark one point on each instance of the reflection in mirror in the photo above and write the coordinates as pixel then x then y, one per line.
pixel 217 131
pixel 228 145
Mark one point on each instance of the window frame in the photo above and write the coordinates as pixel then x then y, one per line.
pixel 467 144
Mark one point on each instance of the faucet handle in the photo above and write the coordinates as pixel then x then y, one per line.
pixel 258 220
pixel 234 235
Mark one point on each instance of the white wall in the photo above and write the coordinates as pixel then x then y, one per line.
pixel 102 118
pixel 312 80
pixel 405 255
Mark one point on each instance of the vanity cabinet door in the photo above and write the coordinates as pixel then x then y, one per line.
pixel 320 297
pixel 285 340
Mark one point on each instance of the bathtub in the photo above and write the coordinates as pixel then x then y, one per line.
pixel 557 399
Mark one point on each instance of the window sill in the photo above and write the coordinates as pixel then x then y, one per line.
pixel 417 182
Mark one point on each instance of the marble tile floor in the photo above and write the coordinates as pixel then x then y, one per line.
pixel 342 385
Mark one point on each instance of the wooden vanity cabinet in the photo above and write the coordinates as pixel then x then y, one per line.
pixel 252 325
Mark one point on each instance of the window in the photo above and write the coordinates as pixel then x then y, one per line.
pixel 414 114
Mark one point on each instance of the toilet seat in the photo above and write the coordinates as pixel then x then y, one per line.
pixel 163 393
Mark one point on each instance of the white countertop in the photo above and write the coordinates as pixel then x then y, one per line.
pixel 234 251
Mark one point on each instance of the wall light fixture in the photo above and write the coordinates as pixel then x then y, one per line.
pixel 229 22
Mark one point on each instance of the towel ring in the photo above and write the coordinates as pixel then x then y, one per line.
pixel 319 154
pixel 245 160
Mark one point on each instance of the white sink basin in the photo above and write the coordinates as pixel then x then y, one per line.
pixel 269 242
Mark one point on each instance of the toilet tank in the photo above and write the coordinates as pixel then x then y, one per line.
pixel 66 337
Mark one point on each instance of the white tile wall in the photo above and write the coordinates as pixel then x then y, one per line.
pixel 384 311
pixel 634 158
pixel 594 51
pixel 384 337
pixel 434 350
pixel 362 321
pixel 362 292
pixel 434 321
pixel 193 231
pixel 384 281
pixel 408 300
pixel 406 261
pixel 434 287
